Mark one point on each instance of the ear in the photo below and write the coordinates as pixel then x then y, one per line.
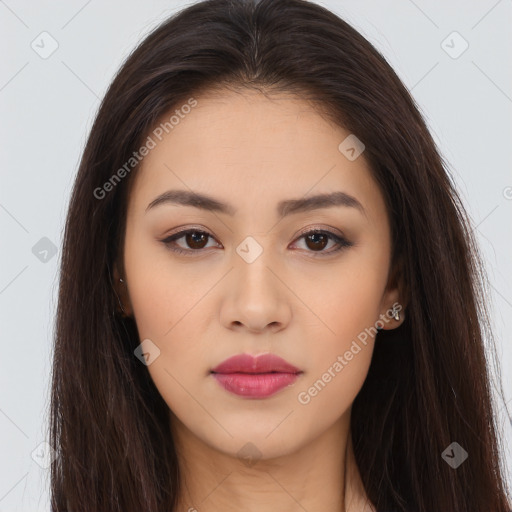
pixel 124 306
pixel 394 300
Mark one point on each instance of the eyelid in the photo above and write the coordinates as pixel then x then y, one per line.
pixel 334 234
pixel 180 233
pixel 183 230
pixel 323 229
pixel 338 237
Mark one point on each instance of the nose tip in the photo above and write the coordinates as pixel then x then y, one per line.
pixel 256 301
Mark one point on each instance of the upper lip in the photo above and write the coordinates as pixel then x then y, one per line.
pixel 264 363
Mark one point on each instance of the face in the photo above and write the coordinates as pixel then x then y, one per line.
pixel 250 277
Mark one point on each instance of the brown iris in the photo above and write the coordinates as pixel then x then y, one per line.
pixel 196 239
pixel 318 240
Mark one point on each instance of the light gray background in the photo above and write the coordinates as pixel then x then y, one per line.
pixel 47 107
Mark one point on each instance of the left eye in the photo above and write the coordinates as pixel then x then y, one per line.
pixel 316 241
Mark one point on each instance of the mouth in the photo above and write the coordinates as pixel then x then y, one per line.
pixel 255 377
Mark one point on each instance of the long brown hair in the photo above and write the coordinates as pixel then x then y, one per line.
pixel 429 381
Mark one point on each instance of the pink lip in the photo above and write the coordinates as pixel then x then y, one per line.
pixel 264 363
pixel 255 377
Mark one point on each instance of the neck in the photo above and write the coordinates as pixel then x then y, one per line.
pixel 322 475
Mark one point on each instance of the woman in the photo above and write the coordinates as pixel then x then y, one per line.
pixel 270 295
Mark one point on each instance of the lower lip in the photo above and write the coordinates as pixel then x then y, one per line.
pixel 255 385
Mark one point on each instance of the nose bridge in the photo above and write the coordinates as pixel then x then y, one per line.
pixel 255 297
pixel 252 274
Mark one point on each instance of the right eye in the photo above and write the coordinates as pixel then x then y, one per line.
pixel 196 240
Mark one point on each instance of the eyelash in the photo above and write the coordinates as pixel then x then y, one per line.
pixel 341 242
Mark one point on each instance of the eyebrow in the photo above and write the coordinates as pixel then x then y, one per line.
pixel 284 208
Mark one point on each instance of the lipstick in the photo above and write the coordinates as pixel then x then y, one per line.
pixel 255 377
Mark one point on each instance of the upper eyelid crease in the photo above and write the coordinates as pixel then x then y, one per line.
pixel 180 233
pixel 340 240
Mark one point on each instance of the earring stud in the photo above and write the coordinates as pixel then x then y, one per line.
pixel 395 313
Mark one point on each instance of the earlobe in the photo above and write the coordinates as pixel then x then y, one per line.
pixel 393 300
pixel 397 313
pixel 392 317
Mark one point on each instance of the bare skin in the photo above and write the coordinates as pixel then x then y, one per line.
pixel 298 299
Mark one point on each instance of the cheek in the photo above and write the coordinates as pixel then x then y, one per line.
pixel 338 363
pixel 170 318
pixel 169 309
pixel 348 306
pixel 162 295
pixel 346 298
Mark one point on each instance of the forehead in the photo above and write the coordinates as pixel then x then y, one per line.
pixel 250 147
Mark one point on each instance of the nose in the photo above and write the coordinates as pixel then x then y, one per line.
pixel 255 297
